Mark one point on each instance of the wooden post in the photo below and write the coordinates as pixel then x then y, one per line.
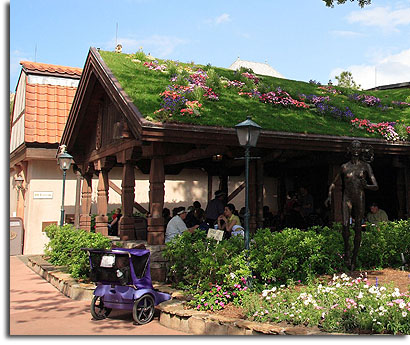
pixel 156 233
pixel 77 199
pixel 85 216
pixel 126 225
pixel 101 221
pixel 223 186
pixel 401 192
pixel 259 193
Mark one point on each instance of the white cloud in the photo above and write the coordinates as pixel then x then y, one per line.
pixel 223 18
pixel 382 17
pixel 387 70
pixel 157 45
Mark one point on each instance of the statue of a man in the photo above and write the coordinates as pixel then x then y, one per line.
pixel 355 174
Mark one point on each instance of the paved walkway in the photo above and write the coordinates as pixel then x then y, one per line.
pixel 37 308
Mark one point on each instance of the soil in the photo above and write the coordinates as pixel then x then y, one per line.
pixel 400 279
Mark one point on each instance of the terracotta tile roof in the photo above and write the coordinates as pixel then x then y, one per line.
pixel 47 108
pixel 47 68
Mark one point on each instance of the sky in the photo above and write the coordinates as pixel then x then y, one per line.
pixel 301 39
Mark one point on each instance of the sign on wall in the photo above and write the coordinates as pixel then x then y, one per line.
pixel 43 195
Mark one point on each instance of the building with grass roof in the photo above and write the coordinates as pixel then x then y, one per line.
pixel 169 120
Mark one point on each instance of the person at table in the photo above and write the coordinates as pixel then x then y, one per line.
pixel 215 208
pixel 113 226
pixel 166 214
pixel 376 214
pixel 228 220
pixel 176 226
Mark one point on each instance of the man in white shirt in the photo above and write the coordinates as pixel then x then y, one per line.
pixel 176 225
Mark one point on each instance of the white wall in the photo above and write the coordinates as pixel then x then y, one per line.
pixel 45 177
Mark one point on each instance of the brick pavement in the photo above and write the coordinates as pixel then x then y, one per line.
pixel 38 308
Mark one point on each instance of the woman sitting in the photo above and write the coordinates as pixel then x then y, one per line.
pixel 230 222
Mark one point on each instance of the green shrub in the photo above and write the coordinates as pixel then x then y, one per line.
pixel 64 248
pixel 383 244
pixel 294 254
pixel 214 273
pixel 198 262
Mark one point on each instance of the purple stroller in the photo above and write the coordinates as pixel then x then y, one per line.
pixel 123 281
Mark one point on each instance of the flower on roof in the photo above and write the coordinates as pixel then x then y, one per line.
pixel 153 65
pixel 251 76
pixel 280 97
pixel 192 108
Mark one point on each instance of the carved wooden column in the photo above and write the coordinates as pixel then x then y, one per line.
pixel 101 220
pixel 126 225
pixel 85 216
pixel 252 196
pixel 77 198
pixel 156 231
pixel 336 206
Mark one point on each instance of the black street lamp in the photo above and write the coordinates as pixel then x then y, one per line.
pixel 248 134
pixel 64 160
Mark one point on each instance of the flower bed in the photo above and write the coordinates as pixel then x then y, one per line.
pixel 388 130
pixel 344 304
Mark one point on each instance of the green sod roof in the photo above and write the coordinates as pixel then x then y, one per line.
pixel 144 86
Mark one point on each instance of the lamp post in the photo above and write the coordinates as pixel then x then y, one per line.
pixel 64 160
pixel 248 134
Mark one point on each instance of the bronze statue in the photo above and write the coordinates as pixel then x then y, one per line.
pixel 354 174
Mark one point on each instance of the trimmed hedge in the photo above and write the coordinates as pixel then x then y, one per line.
pixel 282 256
pixel 64 248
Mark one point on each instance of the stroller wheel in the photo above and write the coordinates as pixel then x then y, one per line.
pixel 143 310
pixel 98 311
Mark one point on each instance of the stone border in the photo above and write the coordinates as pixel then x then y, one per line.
pixel 173 313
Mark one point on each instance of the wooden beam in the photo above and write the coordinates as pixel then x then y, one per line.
pixel 113 149
pixel 118 190
pixel 194 155
pixel 236 192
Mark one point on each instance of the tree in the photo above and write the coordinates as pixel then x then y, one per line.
pixel 362 3
pixel 345 79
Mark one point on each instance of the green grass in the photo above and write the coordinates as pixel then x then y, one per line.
pixel 144 87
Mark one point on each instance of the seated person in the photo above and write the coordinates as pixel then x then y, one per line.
pixel 238 230
pixel 113 226
pixel 376 215
pixel 267 217
pixel 228 220
pixel 176 226
pixel 166 214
